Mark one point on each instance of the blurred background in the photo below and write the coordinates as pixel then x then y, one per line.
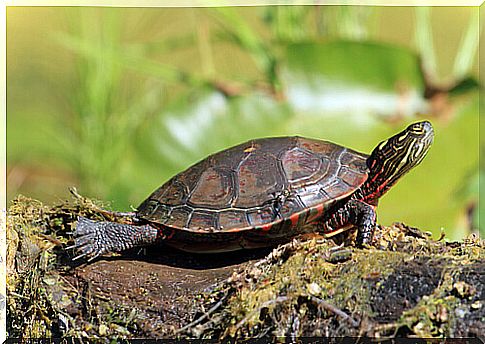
pixel 115 101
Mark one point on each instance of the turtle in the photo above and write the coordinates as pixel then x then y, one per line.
pixel 261 193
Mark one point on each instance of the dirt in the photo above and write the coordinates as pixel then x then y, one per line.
pixel 158 282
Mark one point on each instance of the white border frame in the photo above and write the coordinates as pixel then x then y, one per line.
pixel 151 3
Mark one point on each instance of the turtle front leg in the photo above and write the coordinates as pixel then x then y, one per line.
pixel 357 213
pixel 364 218
pixel 93 239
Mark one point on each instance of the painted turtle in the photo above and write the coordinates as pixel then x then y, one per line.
pixel 263 192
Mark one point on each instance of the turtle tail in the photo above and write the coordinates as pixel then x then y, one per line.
pixel 93 239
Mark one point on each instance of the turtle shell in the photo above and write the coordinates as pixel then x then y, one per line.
pixel 264 184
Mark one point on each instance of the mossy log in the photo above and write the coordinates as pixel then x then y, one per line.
pixel 405 284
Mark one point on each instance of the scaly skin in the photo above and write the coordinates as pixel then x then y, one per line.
pixel 96 238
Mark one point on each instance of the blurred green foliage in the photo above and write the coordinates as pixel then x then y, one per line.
pixel 141 94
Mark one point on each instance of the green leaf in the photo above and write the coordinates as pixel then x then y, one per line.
pixel 346 76
pixel 379 66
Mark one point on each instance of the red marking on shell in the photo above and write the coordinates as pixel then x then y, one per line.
pixel 266 228
pixel 319 209
pixel 294 219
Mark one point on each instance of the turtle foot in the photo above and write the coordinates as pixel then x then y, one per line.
pixel 93 239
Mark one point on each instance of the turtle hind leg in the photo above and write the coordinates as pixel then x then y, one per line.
pixel 93 239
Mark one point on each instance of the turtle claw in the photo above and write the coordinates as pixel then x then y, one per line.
pixel 93 257
pixel 84 226
pixel 89 248
pixel 83 251
pixel 79 256
pixel 70 247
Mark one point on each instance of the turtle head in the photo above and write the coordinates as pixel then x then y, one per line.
pixel 394 157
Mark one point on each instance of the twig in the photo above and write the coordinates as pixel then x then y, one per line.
pixel 279 252
pixel 74 192
pixel 52 240
pixel 18 295
pixel 204 316
pixel 335 310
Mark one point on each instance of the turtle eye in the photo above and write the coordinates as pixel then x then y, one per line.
pixel 420 129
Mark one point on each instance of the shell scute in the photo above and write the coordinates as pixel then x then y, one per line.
pixel 179 217
pixel 174 193
pixel 354 161
pixel 350 176
pixel 258 177
pixel 154 211
pixel 214 190
pixel 202 220
pixel 233 218
pixel 291 206
pixel 300 165
pixel 262 216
